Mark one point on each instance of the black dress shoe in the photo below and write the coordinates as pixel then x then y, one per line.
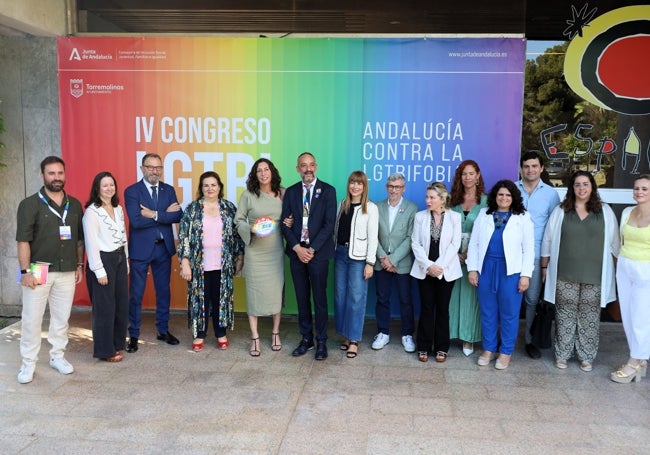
pixel 321 351
pixel 168 338
pixel 533 352
pixel 303 347
pixel 132 345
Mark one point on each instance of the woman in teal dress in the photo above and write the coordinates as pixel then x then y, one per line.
pixel 467 198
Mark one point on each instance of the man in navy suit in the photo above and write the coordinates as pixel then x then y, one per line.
pixel 152 208
pixel 311 204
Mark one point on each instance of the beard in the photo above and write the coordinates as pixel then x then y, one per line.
pixel 152 179
pixel 55 186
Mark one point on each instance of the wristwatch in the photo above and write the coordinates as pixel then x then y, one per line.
pixel 25 271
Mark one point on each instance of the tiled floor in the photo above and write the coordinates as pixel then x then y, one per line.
pixel 167 399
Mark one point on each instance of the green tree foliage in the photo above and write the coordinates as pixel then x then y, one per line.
pixel 549 101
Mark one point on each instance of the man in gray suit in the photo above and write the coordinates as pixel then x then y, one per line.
pixel 394 261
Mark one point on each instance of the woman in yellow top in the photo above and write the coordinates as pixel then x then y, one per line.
pixel 633 279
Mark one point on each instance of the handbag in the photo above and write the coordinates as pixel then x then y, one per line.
pixel 540 329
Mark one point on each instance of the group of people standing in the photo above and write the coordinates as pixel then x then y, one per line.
pixel 473 254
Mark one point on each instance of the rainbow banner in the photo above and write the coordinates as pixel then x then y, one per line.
pixel 417 106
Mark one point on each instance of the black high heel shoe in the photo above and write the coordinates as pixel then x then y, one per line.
pixel 255 347
pixel 276 345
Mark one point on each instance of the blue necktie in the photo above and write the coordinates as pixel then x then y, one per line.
pixel 304 235
pixel 154 196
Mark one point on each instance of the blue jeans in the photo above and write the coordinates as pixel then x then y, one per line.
pixel 384 283
pixel 351 290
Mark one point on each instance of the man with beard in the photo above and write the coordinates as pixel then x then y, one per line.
pixel 50 254
pixel 152 208
pixel 311 205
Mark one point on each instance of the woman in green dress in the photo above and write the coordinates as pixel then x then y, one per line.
pixel 467 198
pixel 257 218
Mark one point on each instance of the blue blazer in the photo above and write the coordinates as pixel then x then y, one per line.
pixel 143 231
pixel 322 217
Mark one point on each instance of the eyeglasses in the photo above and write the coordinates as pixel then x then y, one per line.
pixel 153 168
pixel 394 187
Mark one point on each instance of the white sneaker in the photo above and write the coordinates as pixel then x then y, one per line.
pixel 381 340
pixel 61 365
pixel 26 373
pixel 407 342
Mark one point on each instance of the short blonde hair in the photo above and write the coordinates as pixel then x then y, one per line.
pixel 442 192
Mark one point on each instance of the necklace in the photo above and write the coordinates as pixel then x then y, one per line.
pixel 436 229
pixel 500 219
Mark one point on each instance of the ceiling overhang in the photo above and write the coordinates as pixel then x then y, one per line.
pixel 535 19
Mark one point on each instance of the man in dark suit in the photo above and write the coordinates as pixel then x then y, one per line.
pixel 152 208
pixel 311 204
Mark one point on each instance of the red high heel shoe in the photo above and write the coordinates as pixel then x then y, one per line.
pixel 196 347
pixel 223 345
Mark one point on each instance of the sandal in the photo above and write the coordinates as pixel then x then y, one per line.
pixel 196 346
pixel 423 356
pixel 223 345
pixel 441 356
pixel 345 345
pixel 117 357
pixel 276 344
pixel 352 354
pixel 255 347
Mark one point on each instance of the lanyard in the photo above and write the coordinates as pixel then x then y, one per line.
pixel 65 210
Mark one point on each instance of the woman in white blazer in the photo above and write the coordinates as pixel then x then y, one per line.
pixel 579 247
pixel 435 241
pixel 356 232
pixel 500 262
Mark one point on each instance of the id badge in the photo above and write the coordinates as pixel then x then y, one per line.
pixel 65 233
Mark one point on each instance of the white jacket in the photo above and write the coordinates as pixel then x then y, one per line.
pixel 551 249
pixel 518 243
pixel 364 233
pixel 450 237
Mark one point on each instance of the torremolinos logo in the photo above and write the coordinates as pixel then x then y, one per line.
pixel 76 87
pixel 79 88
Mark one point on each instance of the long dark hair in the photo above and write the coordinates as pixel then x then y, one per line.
pixel 594 204
pixel 205 175
pixel 457 188
pixel 253 183
pixel 517 207
pixel 93 198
